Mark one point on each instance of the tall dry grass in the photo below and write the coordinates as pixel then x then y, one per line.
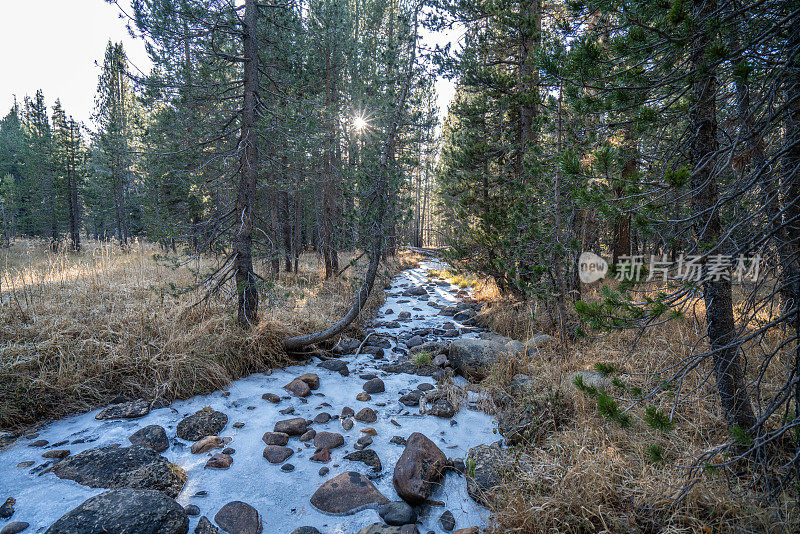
pixel 590 474
pixel 78 330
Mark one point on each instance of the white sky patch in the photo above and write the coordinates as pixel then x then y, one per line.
pixel 53 45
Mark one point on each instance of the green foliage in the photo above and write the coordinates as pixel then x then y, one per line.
pixel 582 386
pixel 605 369
pixel 740 436
pixel 422 358
pixel 655 454
pixel 657 419
pixel 608 408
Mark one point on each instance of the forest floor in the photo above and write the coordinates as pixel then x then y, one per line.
pixel 617 464
pixel 78 330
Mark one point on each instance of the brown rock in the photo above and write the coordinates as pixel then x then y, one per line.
pixel 239 518
pixel 219 461
pixel 206 444
pixel 419 468
pixel 367 415
pixel 322 456
pixel 328 440
pixel 298 388
pixel 363 396
pixel 347 494
pixel 311 379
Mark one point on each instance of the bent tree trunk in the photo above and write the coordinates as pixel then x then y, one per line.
pixel 376 243
pixel 247 307
pixel 708 229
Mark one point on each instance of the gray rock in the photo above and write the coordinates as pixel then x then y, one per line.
pixel 346 345
pixel 122 467
pixel 472 358
pixel 380 528
pixel 440 360
pixel 275 438
pixel 204 526
pixel 276 454
pixel 322 418
pixel 412 398
pixel 447 520
pixel 347 494
pixel 465 314
pixel 415 341
pixel 485 467
pixel 238 517
pixel 124 410
pixel 151 436
pixel 306 530
pixel 328 440
pixel 192 510
pixel 436 402
pixel 336 365
pixel 293 427
pixel 206 422
pixel 375 385
pixel 124 511
pixel 398 513
pixel 7 508
pixel 417 291
pixel 15 527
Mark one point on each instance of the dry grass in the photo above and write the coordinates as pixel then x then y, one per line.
pixel 591 474
pixel 78 330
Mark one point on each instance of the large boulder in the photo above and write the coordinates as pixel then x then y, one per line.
pixel 347 494
pixel 122 467
pixel 472 358
pixel 124 511
pixel 419 469
pixel 486 465
pixel 206 422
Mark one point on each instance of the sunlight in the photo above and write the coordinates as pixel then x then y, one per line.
pixel 359 123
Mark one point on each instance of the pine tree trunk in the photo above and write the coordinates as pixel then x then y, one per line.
pixel 247 308
pixel 730 378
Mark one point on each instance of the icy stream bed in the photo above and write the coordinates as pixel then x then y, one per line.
pixel 281 498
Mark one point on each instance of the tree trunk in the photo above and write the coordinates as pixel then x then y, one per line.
pixel 725 348
pixel 247 308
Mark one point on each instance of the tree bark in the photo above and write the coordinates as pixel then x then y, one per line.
pixel 730 379
pixel 247 307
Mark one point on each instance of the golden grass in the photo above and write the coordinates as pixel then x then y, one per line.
pixel 592 475
pixel 78 330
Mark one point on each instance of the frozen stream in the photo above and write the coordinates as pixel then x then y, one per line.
pixel 281 498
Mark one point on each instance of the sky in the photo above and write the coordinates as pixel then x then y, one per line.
pixel 53 45
pixel 58 46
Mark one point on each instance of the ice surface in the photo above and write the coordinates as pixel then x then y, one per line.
pixel 282 498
